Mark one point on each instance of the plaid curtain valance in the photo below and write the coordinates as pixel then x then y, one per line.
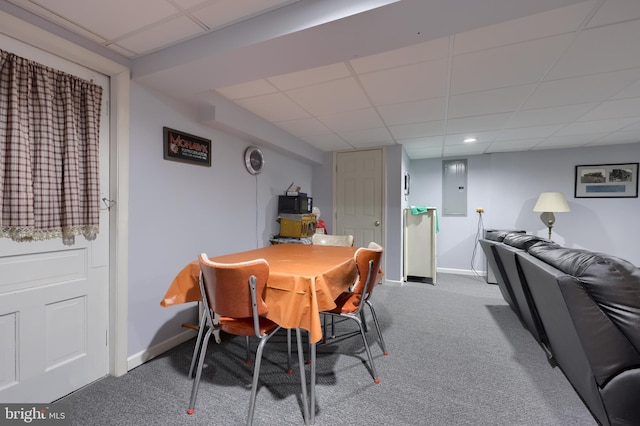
pixel 49 154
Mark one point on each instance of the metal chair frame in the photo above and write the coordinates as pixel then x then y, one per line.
pixel 210 322
pixel 358 316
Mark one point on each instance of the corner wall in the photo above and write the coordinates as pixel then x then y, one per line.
pixel 179 210
pixel 507 186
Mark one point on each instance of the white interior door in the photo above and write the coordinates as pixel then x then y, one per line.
pixel 54 299
pixel 359 196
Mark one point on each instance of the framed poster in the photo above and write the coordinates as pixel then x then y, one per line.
pixel 186 148
pixel 607 181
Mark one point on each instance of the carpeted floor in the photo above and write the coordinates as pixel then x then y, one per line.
pixel 458 356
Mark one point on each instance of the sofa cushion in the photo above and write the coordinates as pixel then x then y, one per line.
pixel 613 283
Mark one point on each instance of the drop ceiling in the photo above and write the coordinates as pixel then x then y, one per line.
pixel 516 75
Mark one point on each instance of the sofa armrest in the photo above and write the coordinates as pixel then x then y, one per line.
pixel 620 397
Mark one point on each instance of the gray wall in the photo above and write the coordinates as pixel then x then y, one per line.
pixel 507 186
pixel 178 210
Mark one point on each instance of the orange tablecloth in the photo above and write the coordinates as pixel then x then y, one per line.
pixel 303 281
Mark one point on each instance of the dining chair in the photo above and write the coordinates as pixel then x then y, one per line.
pixel 350 304
pixel 375 246
pixel 332 240
pixel 232 298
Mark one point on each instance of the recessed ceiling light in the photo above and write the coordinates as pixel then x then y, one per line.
pixel 469 140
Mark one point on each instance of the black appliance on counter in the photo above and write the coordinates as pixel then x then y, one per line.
pixel 295 204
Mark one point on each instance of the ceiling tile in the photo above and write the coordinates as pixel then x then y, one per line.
pixel 527 133
pixel 514 145
pixel 331 97
pixel 467 149
pixel 311 76
pixel 601 49
pixel 429 142
pixel 582 89
pixel 421 153
pixel 61 20
pixel 412 112
pixel 417 130
pixel 409 83
pixel 632 91
pixel 370 137
pixel 428 51
pixel 106 18
pixel 597 126
pixel 161 35
pixel 188 4
pixel 545 116
pixel 489 101
pixel 569 140
pixel 510 65
pixel 619 108
pixel 273 107
pixel 348 121
pixel 613 11
pixel 633 127
pixel 304 127
pixel 543 81
pixel 617 138
pixel 247 90
pixel 478 123
pixel 458 138
pixel 328 142
pixel 554 22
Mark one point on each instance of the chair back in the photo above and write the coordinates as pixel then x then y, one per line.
pixel 226 288
pixel 368 265
pixel 332 240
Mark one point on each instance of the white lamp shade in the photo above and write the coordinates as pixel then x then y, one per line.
pixel 551 202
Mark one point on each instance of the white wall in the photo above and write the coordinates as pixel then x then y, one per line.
pixel 507 186
pixel 178 210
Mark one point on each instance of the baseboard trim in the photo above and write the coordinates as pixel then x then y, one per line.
pixel 148 354
pixel 480 274
pixel 393 283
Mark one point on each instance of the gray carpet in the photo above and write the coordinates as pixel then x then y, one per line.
pixel 458 356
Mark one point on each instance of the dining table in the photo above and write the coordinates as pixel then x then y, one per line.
pixel 304 280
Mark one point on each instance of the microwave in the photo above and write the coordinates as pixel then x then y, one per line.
pixel 295 204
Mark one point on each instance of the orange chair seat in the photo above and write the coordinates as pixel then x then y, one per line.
pixel 244 326
pixel 346 303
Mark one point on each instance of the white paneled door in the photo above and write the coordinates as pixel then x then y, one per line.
pixel 54 299
pixel 359 195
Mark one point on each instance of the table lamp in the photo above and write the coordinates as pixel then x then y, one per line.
pixel 548 203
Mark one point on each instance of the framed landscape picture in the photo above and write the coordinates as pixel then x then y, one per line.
pixel 607 181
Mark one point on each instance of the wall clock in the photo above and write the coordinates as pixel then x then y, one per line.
pixel 253 160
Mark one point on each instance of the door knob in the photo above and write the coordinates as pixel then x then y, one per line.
pixel 377 223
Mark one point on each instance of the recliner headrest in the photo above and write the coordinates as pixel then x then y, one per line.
pixel 523 241
pixel 495 235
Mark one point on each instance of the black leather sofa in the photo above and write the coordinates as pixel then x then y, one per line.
pixel 583 308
